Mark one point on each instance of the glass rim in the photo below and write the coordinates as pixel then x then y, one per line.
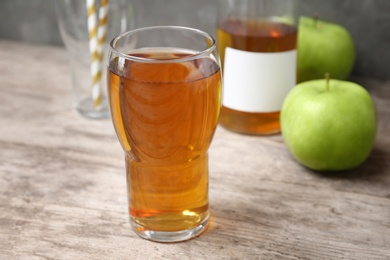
pixel 196 55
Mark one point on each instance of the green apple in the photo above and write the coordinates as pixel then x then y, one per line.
pixel 323 47
pixel 329 125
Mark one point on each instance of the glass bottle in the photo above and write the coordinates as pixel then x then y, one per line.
pixel 257 41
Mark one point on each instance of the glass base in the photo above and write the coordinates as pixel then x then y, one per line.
pixel 169 237
pixel 86 108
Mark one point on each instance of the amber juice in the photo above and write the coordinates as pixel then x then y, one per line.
pixel 165 115
pixel 253 36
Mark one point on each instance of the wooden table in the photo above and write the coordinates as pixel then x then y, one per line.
pixel 63 191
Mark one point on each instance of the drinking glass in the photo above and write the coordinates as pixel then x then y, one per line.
pixel 164 89
pixel 72 18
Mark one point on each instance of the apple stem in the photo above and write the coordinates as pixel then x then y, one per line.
pixel 327 78
pixel 315 17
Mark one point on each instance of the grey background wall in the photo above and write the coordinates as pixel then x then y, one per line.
pixel 34 21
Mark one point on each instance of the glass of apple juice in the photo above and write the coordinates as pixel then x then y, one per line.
pixel 164 88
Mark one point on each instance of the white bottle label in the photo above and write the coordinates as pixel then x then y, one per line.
pixel 257 82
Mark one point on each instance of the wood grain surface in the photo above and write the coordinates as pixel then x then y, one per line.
pixel 63 190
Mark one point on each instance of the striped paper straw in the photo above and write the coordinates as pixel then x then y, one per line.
pixel 97 35
pixel 102 28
